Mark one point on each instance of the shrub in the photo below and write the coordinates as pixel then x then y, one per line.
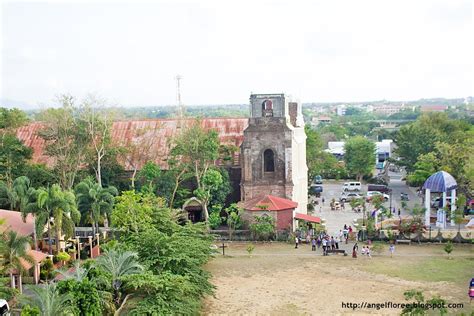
pixel 250 249
pixel 47 270
pixel 30 311
pixel 214 220
pixel 63 256
pixel 448 248
pixel 263 228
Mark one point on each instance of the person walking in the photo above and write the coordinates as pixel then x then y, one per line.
pixel 367 252
pixel 296 242
pixel 336 241
pixel 333 243
pixel 318 242
pixel 354 250
pixel 324 246
pixel 322 200
pixel 391 249
pixel 313 244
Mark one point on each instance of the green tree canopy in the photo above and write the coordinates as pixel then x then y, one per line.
pixel 359 156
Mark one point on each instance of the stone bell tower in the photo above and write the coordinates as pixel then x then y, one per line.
pixel 273 151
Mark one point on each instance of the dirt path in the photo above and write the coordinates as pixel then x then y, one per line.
pixel 279 281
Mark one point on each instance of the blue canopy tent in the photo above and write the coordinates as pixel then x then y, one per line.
pixel 440 182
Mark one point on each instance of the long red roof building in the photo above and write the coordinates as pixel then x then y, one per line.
pixel 155 132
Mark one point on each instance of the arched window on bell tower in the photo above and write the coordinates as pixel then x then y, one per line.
pixel 268 161
pixel 267 108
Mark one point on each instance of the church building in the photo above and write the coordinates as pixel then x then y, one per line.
pixel 273 151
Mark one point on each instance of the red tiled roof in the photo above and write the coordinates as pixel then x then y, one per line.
pixel 156 132
pixel 270 202
pixel 308 218
pixel 14 221
pixel 38 256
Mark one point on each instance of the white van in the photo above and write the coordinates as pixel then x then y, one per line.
pixel 351 186
pixel 4 308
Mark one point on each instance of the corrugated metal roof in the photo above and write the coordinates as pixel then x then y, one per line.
pixel 154 133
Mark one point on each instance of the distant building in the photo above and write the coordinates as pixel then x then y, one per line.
pixel 433 108
pixel 388 109
pixel 321 119
pixel 341 110
pixel 384 150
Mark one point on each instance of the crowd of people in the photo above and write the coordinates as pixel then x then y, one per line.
pixel 330 243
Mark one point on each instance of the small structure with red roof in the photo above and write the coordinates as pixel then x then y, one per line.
pixel 282 210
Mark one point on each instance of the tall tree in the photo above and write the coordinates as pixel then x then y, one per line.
pixel 14 249
pixel 359 156
pixel 421 137
pixel 61 206
pixel 198 148
pixel 98 124
pixel 66 139
pixel 426 165
pixel 94 201
pixel 13 157
pixel 319 162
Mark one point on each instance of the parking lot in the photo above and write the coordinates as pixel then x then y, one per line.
pixel 332 189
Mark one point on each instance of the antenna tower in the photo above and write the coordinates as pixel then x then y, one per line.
pixel 180 107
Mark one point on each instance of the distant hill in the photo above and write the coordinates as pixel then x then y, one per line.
pixel 9 103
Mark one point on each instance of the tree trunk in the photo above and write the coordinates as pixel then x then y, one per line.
pixel 99 172
pixel 35 236
pixel 58 237
pixel 12 280
pixel 20 285
pixel 205 211
pixel 50 244
pixel 176 184
pixel 133 178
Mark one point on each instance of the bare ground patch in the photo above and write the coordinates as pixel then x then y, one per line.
pixel 280 280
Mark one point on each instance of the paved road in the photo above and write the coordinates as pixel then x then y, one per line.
pixel 332 189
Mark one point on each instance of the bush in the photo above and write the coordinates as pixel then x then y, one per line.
pixel 263 228
pixel 30 311
pixel 47 270
pixel 63 256
pixel 214 220
pixel 250 248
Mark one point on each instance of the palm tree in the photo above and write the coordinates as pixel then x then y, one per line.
pixel 95 201
pixel 48 299
pixel 60 205
pixel 14 252
pixel 78 273
pixel 119 264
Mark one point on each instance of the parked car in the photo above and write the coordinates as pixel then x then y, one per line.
pixel 346 197
pixel 371 194
pixel 351 186
pixel 378 187
pixel 318 180
pixel 404 196
pixel 316 189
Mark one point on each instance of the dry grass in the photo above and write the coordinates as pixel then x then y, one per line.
pixel 280 280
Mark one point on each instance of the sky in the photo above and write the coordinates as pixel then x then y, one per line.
pixel 317 51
